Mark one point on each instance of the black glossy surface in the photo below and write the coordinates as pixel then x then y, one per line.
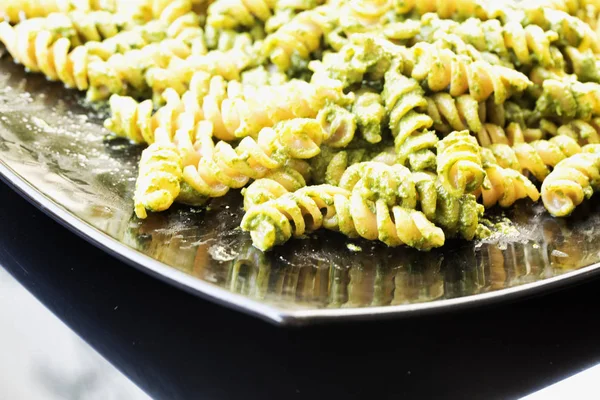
pixel 49 141
pixel 176 346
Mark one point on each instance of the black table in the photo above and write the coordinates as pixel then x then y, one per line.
pixel 176 346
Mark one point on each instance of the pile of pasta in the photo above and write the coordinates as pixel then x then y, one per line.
pixel 401 121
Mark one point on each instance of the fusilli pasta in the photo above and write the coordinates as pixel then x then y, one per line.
pixel 572 180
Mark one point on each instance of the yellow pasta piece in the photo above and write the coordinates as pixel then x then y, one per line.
pixel 572 180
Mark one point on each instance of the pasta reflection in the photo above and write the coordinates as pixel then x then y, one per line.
pixel 329 271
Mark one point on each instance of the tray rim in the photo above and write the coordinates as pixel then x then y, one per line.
pixel 264 311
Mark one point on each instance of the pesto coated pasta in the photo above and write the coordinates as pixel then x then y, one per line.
pixel 398 121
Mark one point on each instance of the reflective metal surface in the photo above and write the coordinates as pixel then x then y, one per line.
pixel 54 150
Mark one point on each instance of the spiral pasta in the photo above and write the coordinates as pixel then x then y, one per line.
pixel 15 10
pixel 228 167
pixel 339 125
pixel 296 40
pixel 329 166
pixel 179 72
pixel 441 68
pixel 136 121
pixel 479 98
pixel 459 163
pixel 584 132
pixel 313 207
pixel 364 15
pixel 77 67
pixel 445 9
pixel 535 157
pixel 404 100
pixel 572 180
pixel 376 180
pixel 370 114
pixel 571 31
pixel 455 114
pixel 236 115
pixel 231 14
pixel 526 44
pixel 456 215
pixel 585 64
pixel 569 99
pixel 273 186
pixel 160 173
pixel 504 186
pixel 363 57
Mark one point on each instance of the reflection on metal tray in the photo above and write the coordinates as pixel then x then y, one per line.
pixel 55 151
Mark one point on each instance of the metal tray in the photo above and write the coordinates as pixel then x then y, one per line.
pixel 54 151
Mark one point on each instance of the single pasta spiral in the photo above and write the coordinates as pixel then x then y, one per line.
pixel 455 114
pixel 296 40
pixel 404 102
pixel 273 186
pixel 504 186
pixel 137 122
pixel 440 68
pixel 308 209
pixel 160 173
pixel 228 64
pixel 246 110
pixel 228 167
pixel 583 132
pixel 456 215
pixel 363 15
pixel 459 164
pixel 535 157
pixel 422 191
pixel 445 9
pixel 229 14
pixel 526 44
pixel 514 133
pixel 15 10
pixel 329 166
pixel 339 125
pixel 569 99
pixel 370 114
pixel 585 64
pixel 363 57
pixel 572 180
pixel 571 31
pixel 124 41
pixel 380 181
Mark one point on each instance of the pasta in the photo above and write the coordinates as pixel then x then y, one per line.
pixel 16 10
pixel 526 44
pixel 537 156
pixel 459 163
pixel 227 167
pixel 296 40
pixel 270 224
pixel 370 114
pixel 273 186
pixel 230 14
pixel 403 99
pixel 160 172
pixel 245 113
pixel 457 215
pixel 569 99
pixel 400 121
pixel 455 114
pixel 571 181
pixel 441 68
pixel 505 185
pixel 582 131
